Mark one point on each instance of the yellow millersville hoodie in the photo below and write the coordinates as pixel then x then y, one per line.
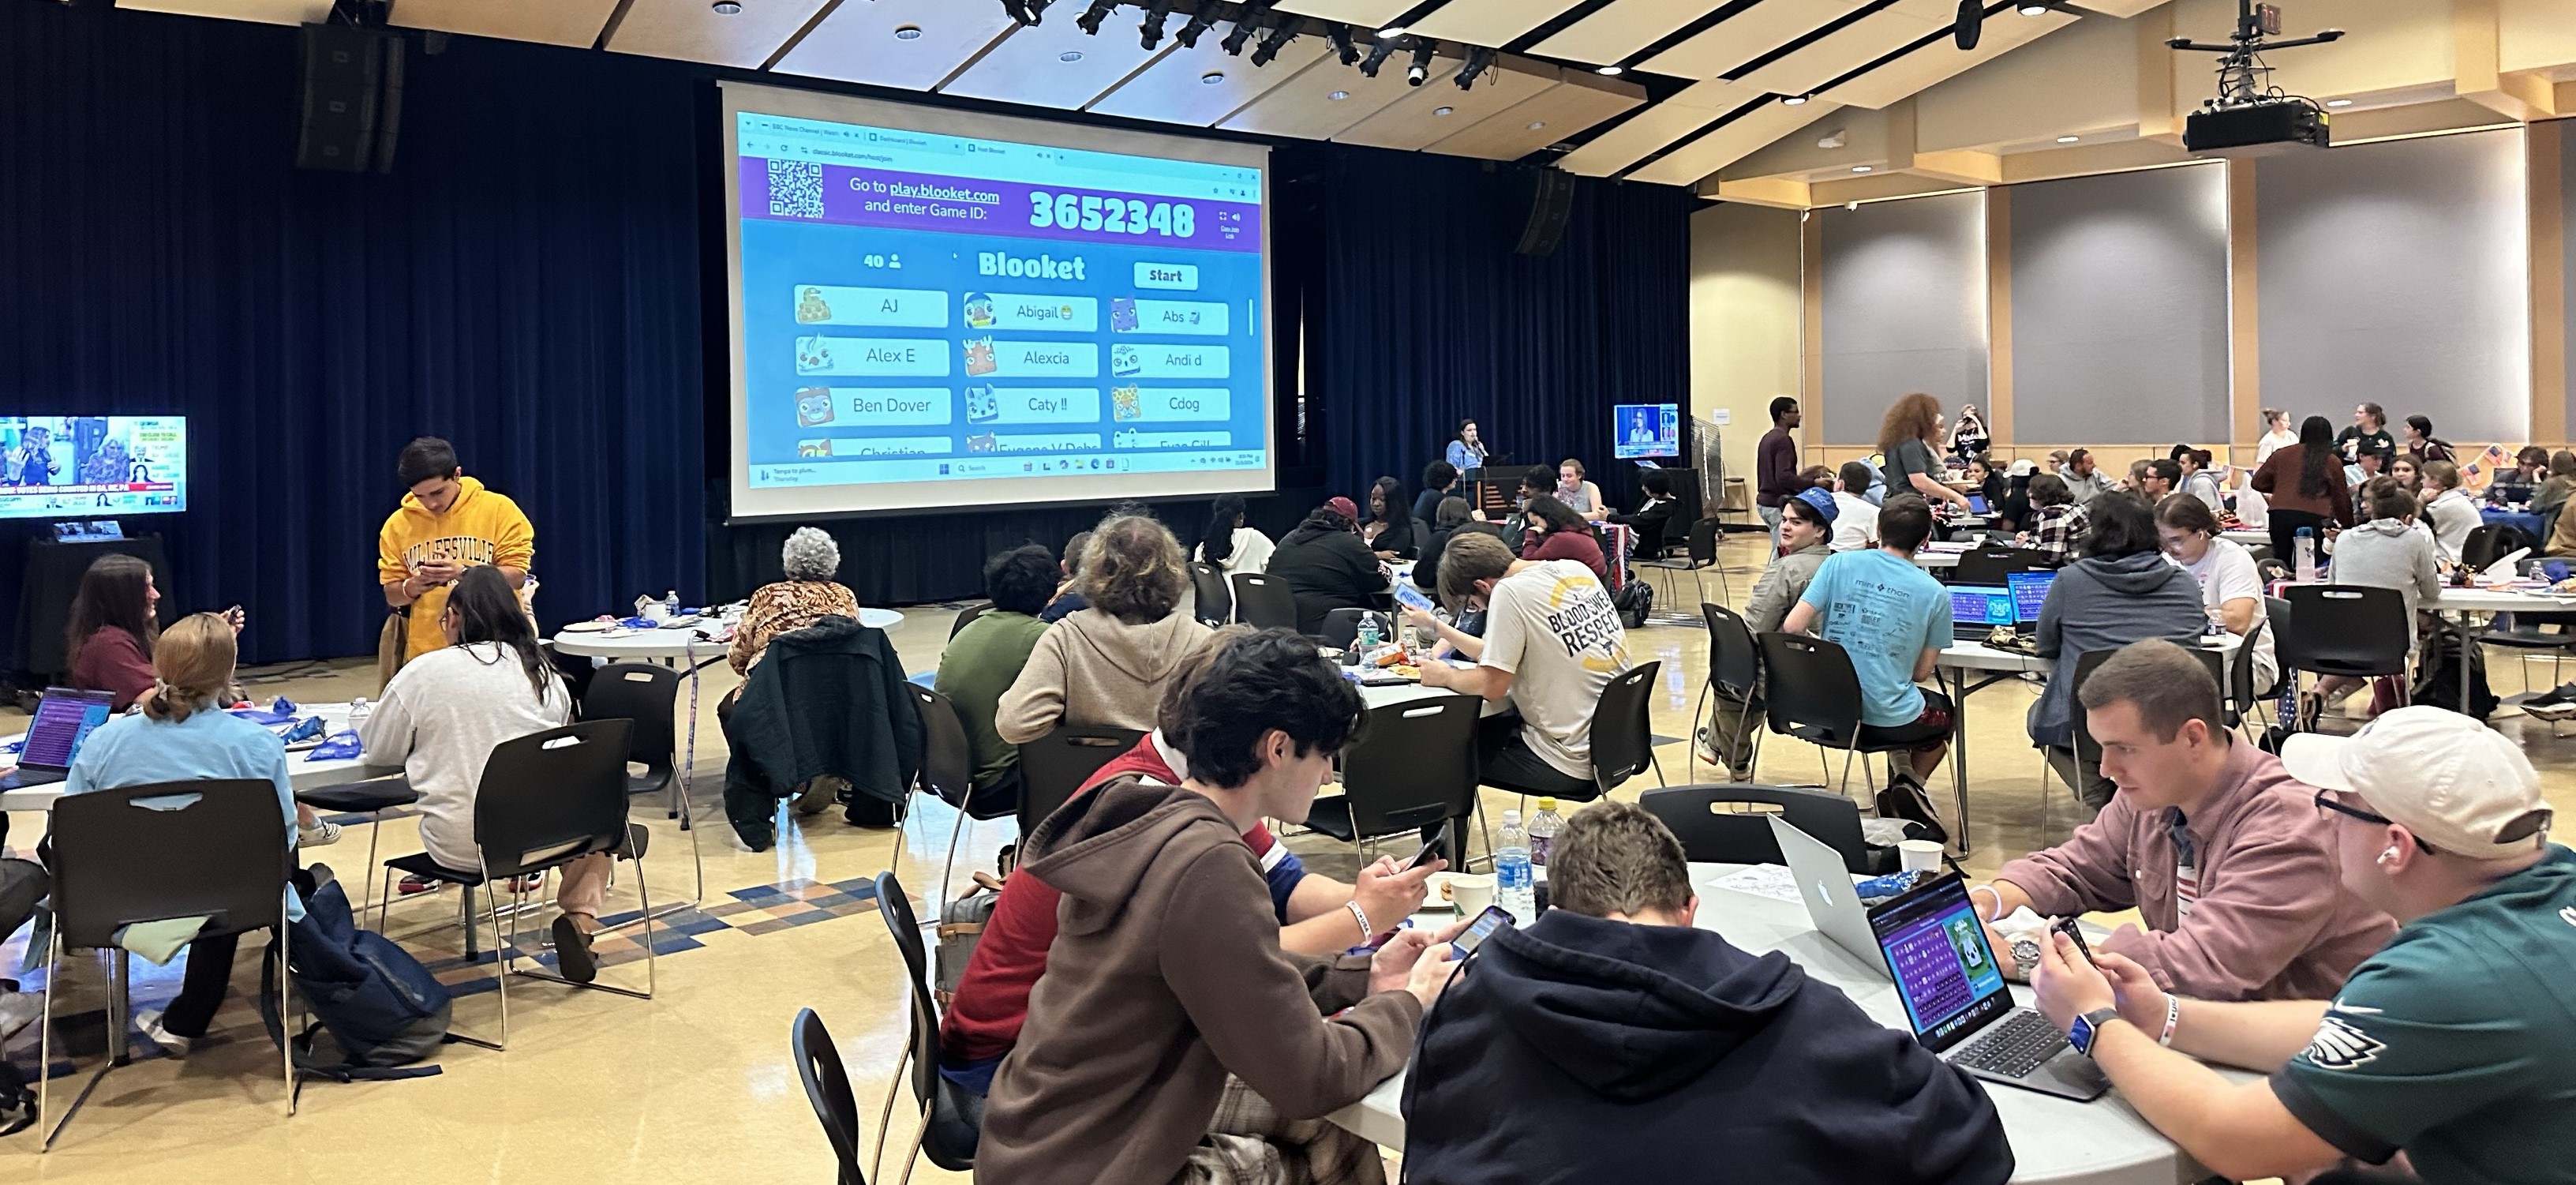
pixel 480 527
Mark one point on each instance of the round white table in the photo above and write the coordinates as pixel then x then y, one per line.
pixel 674 645
pixel 2103 1142
pixel 302 772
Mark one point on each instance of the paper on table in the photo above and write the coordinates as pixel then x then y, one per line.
pixel 2504 565
pixel 1767 880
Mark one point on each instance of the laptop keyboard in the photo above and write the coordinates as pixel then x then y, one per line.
pixel 2014 1048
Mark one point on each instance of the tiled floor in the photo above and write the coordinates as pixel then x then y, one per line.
pixel 696 1084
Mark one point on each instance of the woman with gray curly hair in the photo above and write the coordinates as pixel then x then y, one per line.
pixel 809 594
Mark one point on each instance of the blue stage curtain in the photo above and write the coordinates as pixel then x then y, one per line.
pixel 526 283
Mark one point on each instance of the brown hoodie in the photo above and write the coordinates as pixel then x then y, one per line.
pixel 1166 975
pixel 1094 670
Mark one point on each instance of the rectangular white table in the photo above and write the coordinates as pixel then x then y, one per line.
pixel 302 773
pixel 2462 604
pixel 2054 1140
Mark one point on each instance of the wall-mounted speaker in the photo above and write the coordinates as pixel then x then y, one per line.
pixel 1551 200
pixel 353 82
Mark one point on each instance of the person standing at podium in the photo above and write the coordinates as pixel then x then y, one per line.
pixel 1467 452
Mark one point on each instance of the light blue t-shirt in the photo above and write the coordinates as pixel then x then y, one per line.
pixel 136 750
pixel 1885 613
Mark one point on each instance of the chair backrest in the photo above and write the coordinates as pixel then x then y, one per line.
pixel 1263 601
pixel 1053 766
pixel 1622 742
pixel 827 1087
pixel 550 795
pixel 2276 618
pixel 2345 629
pixel 2085 664
pixel 923 1046
pixel 644 694
pixel 947 763
pixel 1414 766
pixel 1809 690
pixel 215 849
pixel 1342 626
pixel 1734 660
pixel 1216 602
pixel 1703 542
pixel 967 616
pixel 1728 823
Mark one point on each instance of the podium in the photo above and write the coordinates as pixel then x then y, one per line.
pixel 1492 494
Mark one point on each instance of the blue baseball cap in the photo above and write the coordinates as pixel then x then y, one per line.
pixel 1820 502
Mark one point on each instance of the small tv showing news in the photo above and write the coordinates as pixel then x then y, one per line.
pixel 1646 430
pixel 91 467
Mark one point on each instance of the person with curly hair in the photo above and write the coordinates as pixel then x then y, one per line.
pixel 809 594
pixel 1105 665
pixel 1907 439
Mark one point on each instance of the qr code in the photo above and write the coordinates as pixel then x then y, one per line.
pixel 795 189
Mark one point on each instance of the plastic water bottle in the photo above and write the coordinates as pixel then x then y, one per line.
pixel 1514 886
pixel 1542 830
pixel 2305 549
pixel 671 602
pixel 1369 637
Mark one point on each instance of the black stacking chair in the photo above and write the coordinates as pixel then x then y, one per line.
pixel 1728 823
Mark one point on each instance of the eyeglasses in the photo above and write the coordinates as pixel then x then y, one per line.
pixel 2325 803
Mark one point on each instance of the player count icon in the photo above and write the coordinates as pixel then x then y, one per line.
pixel 979 356
pixel 979 311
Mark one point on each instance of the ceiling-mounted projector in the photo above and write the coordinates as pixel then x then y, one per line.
pixel 2250 117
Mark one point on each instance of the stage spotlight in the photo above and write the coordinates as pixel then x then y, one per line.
pixel 1244 25
pixel 1479 59
pixel 1201 20
pixel 1339 37
pixel 1378 53
pixel 1149 33
pixel 1420 71
pixel 1022 11
pixel 1970 24
pixel 1271 42
pixel 1092 17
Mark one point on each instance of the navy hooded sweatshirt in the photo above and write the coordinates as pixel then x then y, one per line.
pixel 1587 1050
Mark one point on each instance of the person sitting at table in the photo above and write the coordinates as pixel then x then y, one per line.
pixel 1317 916
pixel 2518 485
pixel 447 522
pixel 1968 437
pixel 1986 483
pixel 2084 481
pixel 1105 665
pixel 2057 520
pixel 2122 591
pixel 2390 551
pixel 2448 509
pixel 2558 486
pixel 2455 1044
pixel 1556 532
pixel 2421 444
pixel 1855 518
pixel 1893 619
pixel 984 659
pixel 2231 585
pixel 1439 480
pixel 1575 491
pixel 1613 1039
pixel 1391 531
pixel 443 715
pixel 2156 479
pixel 2304 486
pixel 1327 567
pixel 2371 464
pixel 2197 480
pixel 1536 481
pixel 182 734
pixel 1229 544
pixel 1467 452
pixel 2402 469
pixel 1068 598
pixel 807 594
pixel 1907 436
pixel 2220 851
pixel 1552 641
pixel 1453 517
pixel 1650 527
pixel 1806 527
pixel 1168 1014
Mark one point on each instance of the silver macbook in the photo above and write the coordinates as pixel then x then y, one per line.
pixel 1826 887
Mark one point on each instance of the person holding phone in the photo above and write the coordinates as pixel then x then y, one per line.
pixel 447 522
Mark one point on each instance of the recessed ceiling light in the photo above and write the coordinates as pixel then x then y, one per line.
pixel 1337 96
pixel 1860 168
pixel 1611 70
pixel 2338 102
pixel 1211 78
pixel 1538 125
pixel 1793 100
pixel 907 32
pixel 1070 55
pixel 1390 33
pixel 728 7
pixel 1443 110
pixel 2067 139
pixel 2034 10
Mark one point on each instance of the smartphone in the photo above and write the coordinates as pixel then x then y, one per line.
pixel 1977 504
pixel 1479 930
pixel 2068 928
pixel 1424 856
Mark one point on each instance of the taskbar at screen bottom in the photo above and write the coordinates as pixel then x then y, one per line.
pixel 973 468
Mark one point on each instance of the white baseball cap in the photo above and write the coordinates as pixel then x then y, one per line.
pixel 2459 785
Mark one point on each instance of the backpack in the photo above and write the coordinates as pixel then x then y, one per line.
pixel 2437 679
pixel 376 1003
pixel 961 928
pixel 1636 602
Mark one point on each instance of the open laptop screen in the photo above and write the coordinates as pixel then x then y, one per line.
pixel 64 718
pixel 1971 605
pixel 2029 592
pixel 1936 951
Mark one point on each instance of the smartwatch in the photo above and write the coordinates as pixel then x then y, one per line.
pixel 2087 1029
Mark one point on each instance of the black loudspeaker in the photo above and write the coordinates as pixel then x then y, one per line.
pixel 353 81
pixel 1551 199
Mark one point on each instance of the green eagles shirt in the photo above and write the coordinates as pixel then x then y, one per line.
pixel 2457 1041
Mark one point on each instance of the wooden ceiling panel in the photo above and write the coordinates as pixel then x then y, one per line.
pixel 693 31
pixel 1613 33
pixel 1579 102
pixel 267 12
pixel 1856 44
pixel 2123 9
pixel 1492 23
pixel 856 42
pixel 1416 122
pixel 1747 35
pixel 556 22
pixel 1365 14
pixel 1174 89
pixel 1720 148
pixel 1304 106
pixel 1941 60
pixel 1029 66
pixel 1634 138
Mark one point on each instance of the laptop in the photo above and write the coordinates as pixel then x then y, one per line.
pixel 1981 607
pixel 1957 1001
pixel 64 718
pixel 2029 592
pixel 1826 886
